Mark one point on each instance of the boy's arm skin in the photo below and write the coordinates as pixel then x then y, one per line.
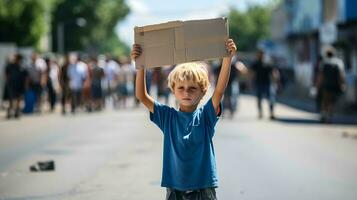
pixel 140 88
pixel 223 75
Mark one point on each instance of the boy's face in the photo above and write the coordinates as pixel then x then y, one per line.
pixel 188 93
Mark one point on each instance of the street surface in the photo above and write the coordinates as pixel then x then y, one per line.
pixel 117 154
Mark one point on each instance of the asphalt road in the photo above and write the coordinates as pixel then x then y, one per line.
pixel 116 154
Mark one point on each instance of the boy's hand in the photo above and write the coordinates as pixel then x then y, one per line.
pixel 231 47
pixel 136 51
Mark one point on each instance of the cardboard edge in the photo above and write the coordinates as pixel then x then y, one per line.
pixel 156 27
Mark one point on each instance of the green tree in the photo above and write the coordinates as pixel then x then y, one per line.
pixel 101 18
pixel 24 22
pixel 247 28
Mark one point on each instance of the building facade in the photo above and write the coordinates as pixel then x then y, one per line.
pixel 301 29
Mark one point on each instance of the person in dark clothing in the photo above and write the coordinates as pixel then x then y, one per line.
pixel 317 91
pixel 52 97
pixel 5 96
pixel 64 84
pixel 15 86
pixel 97 96
pixel 36 79
pixel 331 82
pixel 231 94
pixel 263 74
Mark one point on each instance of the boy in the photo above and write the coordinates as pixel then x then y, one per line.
pixel 189 167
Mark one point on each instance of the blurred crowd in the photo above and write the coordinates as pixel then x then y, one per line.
pixel 79 83
pixel 74 82
pixel 88 84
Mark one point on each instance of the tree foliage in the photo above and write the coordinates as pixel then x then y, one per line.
pixel 24 22
pixel 101 17
pixel 247 28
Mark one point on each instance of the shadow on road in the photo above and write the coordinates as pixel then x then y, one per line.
pixel 335 121
pixel 297 120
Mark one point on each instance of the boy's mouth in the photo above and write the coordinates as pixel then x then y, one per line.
pixel 186 99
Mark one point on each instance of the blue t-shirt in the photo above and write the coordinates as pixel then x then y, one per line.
pixel 188 158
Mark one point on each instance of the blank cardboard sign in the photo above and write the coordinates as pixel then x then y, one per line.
pixel 181 41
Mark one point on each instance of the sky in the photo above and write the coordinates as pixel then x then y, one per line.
pixel 161 11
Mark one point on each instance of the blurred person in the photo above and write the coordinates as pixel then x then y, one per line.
pixel 163 86
pixel 136 100
pixel 111 70
pixel 37 79
pixel 331 81
pixel 63 79
pixel 149 79
pixel 315 91
pixel 51 77
pixel 96 85
pixel 87 85
pixel 77 73
pixel 15 85
pixel 125 79
pixel 231 94
pixel 10 59
pixel 265 78
pixel 158 80
pixel 189 169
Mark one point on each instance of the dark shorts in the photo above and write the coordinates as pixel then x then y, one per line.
pixel 96 91
pixel 201 194
pixel 122 90
pixel 329 97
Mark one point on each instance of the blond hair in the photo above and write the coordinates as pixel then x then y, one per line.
pixel 193 71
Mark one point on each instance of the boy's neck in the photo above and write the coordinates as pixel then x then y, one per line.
pixel 187 108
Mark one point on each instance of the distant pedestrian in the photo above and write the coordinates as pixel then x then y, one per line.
pixel 164 90
pixel 315 90
pixel 51 72
pixel 125 81
pixel 331 81
pixel 5 96
pixel 63 79
pixel 77 73
pixel 15 83
pixel 86 99
pixel 111 70
pixel 189 169
pixel 37 78
pixel 231 94
pixel 96 85
pixel 264 77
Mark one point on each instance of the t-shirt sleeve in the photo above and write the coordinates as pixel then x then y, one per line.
pixel 211 116
pixel 160 116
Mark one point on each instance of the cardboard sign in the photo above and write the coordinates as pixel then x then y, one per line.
pixel 181 41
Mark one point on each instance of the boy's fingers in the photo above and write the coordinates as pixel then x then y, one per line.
pixel 137 50
pixel 136 47
pixel 229 41
pixel 136 54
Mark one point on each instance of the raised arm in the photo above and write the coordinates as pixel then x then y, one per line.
pixel 223 75
pixel 140 82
